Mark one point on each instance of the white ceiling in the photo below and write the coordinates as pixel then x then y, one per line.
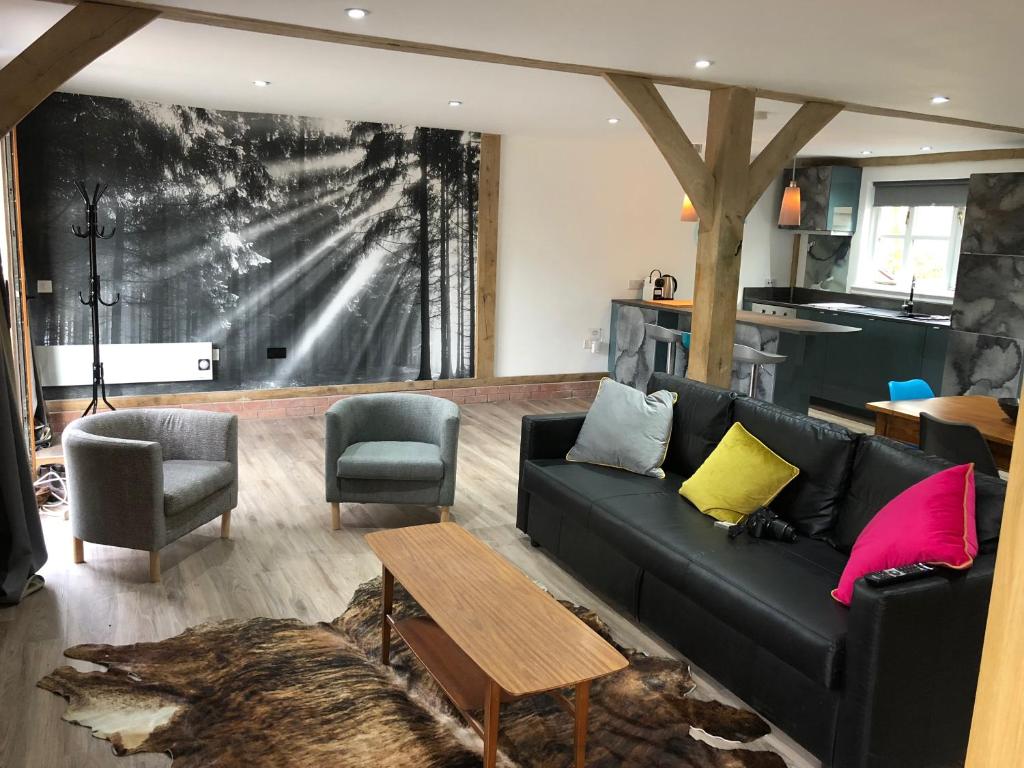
pixel 892 54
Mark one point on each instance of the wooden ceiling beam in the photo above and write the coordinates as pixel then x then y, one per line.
pixel 926 158
pixel 642 97
pixel 319 34
pixel 794 135
pixel 84 34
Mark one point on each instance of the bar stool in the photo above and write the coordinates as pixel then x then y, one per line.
pixel 741 353
pixel 668 335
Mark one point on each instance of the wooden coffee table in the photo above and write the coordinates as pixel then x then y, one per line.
pixel 490 634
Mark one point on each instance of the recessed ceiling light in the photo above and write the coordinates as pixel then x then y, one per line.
pixel 261 83
pixel 357 13
pixel 703 63
pixel 940 99
pixel 926 148
pixel 454 103
pixel 613 120
pixel 865 151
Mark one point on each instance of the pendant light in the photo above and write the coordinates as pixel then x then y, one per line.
pixel 789 214
pixel 689 213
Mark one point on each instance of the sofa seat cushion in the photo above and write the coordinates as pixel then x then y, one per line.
pixel 391 460
pixel 573 488
pixel 777 594
pixel 187 482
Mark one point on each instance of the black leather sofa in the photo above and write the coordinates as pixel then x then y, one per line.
pixel 887 683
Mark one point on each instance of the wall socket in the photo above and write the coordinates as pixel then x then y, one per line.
pixel 593 340
pixel 635 285
pixel 44 286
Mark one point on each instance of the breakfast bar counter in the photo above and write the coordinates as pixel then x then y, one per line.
pixel 633 357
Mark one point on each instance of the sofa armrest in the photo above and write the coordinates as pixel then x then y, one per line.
pixel 447 428
pixel 339 433
pixel 913 654
pixel 115 490
pixel 547 436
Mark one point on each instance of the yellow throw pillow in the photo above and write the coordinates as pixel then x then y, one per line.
pixel 741 475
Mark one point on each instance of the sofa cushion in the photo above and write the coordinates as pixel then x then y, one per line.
pixel 777 594
pixel 391 460
pixel 884 468
pixel 187 482
pixel 702 416
pixel 823 451
pixel 626 429
pixel 739 477
pixel 573 488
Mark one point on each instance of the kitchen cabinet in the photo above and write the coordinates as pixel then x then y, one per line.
pixel 856 368
pixel 829 198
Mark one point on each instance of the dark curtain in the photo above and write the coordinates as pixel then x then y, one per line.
pixel 22 548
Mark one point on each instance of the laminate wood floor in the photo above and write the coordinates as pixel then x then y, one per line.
pixel 283 561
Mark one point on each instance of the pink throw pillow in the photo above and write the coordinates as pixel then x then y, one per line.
pixel 930 522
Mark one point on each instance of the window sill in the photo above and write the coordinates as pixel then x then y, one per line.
pixel 945 297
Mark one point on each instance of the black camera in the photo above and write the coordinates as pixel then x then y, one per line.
pixel 764 524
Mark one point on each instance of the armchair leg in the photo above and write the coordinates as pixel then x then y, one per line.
pixel 446 514
pixel 79 550
pixel 154 567
pixel 335 516
pixel 225 525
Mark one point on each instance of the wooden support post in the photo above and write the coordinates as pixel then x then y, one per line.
pixel 720 238
pixel 487 253
pixel 84 34
pixel 997 732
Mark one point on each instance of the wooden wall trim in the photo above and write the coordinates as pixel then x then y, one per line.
pixel 80 37
pixel 487 253
pixel 925 158
pixel 26 367
pixel 225 396
pixel 997 731
pixel 284 29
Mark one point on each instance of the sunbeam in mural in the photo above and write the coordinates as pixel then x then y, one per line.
pixel 350 244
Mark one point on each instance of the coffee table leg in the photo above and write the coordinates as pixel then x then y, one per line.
pixel 492 705
pixel 385 625
pixel 582 707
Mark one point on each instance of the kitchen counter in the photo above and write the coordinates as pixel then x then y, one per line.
pixel 782 324
pixel 878 313
pixel 633 356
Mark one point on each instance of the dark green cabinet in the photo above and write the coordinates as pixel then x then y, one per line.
pixel 829 198
pixel 852 369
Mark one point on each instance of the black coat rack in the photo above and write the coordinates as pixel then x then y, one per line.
pixel 92 232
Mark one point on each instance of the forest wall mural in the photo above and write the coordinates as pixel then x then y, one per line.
pixel 351 244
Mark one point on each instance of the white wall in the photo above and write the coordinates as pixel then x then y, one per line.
pixel 578 220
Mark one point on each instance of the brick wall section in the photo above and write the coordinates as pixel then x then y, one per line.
pixel 296 407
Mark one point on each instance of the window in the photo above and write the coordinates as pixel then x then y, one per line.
pixel 915 233
pixel 920 242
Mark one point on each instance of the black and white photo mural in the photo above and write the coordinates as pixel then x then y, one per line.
pixel 351 245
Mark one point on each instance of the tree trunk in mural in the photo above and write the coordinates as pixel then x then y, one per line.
pixel 423 247
pixel 444 279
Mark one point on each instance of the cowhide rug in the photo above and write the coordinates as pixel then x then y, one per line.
pixel 280 693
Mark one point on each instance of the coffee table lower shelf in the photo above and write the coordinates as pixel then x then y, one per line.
pixel 459 677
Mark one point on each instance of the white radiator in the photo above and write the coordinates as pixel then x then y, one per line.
pixel 69 365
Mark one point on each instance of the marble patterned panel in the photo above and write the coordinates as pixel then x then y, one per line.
pixel 634 353
pixel 979 364
pixel 994 220
pixel 765 339
pixel 828 262
pixel 990 295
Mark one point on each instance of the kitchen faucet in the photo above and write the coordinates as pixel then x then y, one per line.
pixel 908 305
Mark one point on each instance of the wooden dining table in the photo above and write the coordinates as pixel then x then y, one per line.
pixel 900 420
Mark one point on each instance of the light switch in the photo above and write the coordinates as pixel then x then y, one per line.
pixel 44 286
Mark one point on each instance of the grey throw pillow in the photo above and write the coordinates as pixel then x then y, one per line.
pixel 626 429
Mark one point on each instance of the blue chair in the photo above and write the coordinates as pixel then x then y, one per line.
pixel 914 389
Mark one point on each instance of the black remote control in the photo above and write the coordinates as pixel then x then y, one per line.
pixel 896 575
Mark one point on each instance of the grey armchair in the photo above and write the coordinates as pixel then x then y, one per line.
pixel 142 478
pixel 393 448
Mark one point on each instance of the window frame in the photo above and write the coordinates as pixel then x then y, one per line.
pixel 867 271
